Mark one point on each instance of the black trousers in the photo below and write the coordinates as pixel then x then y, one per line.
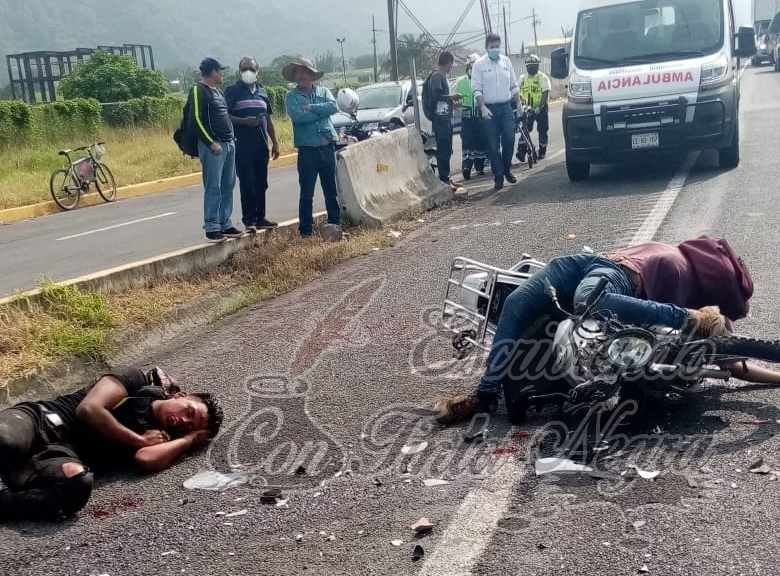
pixel 442 127
pixel 542 121
pixel 36 487
pixel 252 169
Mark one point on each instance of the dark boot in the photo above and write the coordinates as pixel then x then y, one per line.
pixel 542 152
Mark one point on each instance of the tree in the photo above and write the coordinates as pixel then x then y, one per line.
pixel 365 61
pixel 112 78
pixel 419 47
pixel 327 62
pixel 280 62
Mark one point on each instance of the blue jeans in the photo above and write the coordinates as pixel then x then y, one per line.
pixel 500 138
pixel 219 179
pixel 574 278
pixel 314 162
pixel 442 127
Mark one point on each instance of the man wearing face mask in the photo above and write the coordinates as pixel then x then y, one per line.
pixel 494 82
pixel 250 111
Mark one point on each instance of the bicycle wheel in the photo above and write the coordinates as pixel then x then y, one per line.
pixel 529 146
pixel 104 182
pixel 64 190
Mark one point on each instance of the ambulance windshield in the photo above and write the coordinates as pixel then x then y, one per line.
pixel 648 31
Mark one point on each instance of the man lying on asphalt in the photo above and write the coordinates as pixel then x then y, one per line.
pixel 700 287
pixel 47 447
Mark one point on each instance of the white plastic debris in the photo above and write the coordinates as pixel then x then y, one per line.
pixel 558 465
pixel 169 553
pixel 431 482
pixel 394 234
pixel 396 542
pixel 283 503
pixel 733 485
pixel 646 474
pixel 644 569
pixel 410 449
pixel 331 538
pixel 215 481
pixel 361 532
pixel 227 523
pixel 237 513
pixel 299 537
pixel 638 524
pixel 323 533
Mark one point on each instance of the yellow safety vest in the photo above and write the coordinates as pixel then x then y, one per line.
pixel 531 90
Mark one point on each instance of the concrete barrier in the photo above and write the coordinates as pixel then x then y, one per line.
pixel 386 176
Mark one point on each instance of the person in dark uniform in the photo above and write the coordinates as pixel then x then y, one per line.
pixel 250 110
pixel 48 449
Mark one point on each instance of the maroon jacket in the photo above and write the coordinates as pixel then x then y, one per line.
pixel 697 273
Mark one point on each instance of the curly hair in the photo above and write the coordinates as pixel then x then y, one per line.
pixel 215 412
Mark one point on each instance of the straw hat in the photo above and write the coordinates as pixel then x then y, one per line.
pixel 289 71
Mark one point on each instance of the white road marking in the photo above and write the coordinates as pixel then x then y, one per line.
pixel 115 226
pixel 664 204
pixel 473 525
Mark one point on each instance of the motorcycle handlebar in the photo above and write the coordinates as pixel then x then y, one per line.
pixel 597 292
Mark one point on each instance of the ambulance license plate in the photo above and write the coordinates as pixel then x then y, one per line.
pixel 640 141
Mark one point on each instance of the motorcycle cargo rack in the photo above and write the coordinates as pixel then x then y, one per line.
pixel 475 294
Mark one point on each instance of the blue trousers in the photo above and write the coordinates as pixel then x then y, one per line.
pixel 219 179
pixel 317 162
pixel 574 278
pixel 500 138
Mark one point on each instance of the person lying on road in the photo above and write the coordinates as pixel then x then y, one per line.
pixel 700 286
pixel 47 447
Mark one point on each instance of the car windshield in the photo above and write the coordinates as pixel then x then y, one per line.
pixel 374 97
pixel 648 31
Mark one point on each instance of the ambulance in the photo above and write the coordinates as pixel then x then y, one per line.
pixel 651 76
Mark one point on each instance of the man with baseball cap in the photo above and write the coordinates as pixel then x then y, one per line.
pixel 217 151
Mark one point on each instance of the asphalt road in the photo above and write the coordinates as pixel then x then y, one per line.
pixel 71 244
pixel 350 362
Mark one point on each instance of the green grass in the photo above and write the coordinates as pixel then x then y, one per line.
pixel 134 155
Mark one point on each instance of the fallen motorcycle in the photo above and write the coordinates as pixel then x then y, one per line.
pixel 588 359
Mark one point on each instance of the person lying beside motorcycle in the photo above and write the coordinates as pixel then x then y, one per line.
pixel 47 447
pixel 699 287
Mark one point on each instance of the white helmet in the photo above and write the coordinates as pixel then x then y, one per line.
pixel 348 100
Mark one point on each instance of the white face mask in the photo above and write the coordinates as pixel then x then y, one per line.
pixel 248 77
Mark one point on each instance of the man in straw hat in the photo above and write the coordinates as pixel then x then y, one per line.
pixel 310 107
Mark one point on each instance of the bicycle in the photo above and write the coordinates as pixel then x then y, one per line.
pixel 69 183
pixel 526 149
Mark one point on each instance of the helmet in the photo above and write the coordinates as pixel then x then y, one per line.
pixel 532 60
pixel 348 100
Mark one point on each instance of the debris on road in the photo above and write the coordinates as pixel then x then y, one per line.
pixel 422 526
pixel 237 513
pixel 300 471
pixel 282 503
pixel 557 465
pixel 271 496
pixel 760 468
pixel 396 542
pixel 418 553
pixel 299 537
pixel 645 474
pixel 431 482
pixel 394 234
pixel 377 482
pixel 638 524
pixel 169 553
pixel 542 546
pixel 215 481
pixel 411 449
pixel 571 237
pixel 644 569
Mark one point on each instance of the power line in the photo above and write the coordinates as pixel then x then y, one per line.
pixel 419 24
pixel 459 23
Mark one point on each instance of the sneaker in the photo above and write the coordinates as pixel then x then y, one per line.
pixel 232 232
pixel 466 174
pixel 707 322
pixel 266 224
pixel 521 156
pixel 510 178
pixel 250 228
pixel 215 237
pixel 456 409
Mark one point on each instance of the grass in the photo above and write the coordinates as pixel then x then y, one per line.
pixel 69 324
pixel 134 155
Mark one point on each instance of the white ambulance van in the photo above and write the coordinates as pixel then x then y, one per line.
pixel 652 75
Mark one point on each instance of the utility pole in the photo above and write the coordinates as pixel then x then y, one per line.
pixel 343 60
pixel 376 64
pixel 392 10
pixel 506 35
pixel 535 22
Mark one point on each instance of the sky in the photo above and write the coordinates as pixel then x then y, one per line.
pixel 439 16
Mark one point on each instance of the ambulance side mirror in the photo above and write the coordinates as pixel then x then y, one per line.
pixel 746 42
pixel 559 66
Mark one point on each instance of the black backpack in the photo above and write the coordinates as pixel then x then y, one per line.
pixel 186 136
pixel 428 105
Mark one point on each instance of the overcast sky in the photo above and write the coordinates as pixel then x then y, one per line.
pixel 439 16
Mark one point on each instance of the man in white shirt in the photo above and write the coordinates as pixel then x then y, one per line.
pixel 495 86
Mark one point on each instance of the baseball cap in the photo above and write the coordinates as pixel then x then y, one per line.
pixel 209 65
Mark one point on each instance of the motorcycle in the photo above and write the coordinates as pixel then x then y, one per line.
pixel 526 149
pixel 348 103
pixel 586 360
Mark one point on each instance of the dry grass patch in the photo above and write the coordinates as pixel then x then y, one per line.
pixel 68 324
